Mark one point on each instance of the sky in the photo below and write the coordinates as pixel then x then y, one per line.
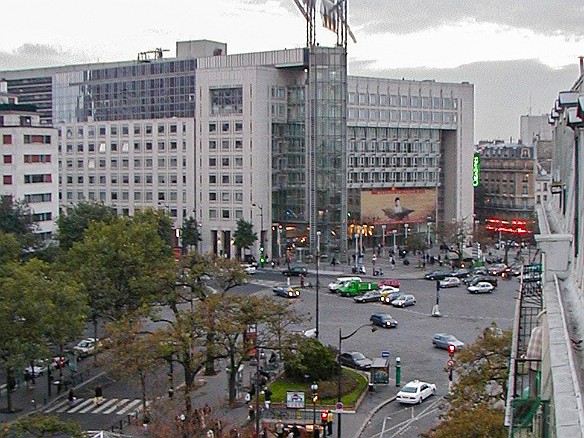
pixel 518 53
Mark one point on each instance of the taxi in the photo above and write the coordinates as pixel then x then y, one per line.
pixel 415 392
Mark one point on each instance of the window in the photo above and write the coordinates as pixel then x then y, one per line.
pixel 8 159
pixel 161 129
pixel 225 144
pixel 136 129
pixel 225 196
pixel 113 130
pixel 212 145
pixel 41 197
pixel 212 196
pixel 161 146
pixel 225 162
pixel 238 179
pixel 212 162
pixel 225 179
pixel 225 126
pixel 80 147
pixel 226 101
pixel 7 180
pixel 7 139
pixel 91 147
pixel 213 127
pixel 38 178
pixel 225 214
pixel 212 179
pixel 114 147
pixel 137 146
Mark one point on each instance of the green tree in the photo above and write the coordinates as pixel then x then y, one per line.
pixel 481 421
pixel 244 236
pixel 9 249
pixel 455 235
pixel 16 218
pixel 311 358
pixel 416 242
pixel 190 236
pixel 41 425
pixel 73 222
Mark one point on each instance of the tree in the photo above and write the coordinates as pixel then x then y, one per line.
pixel 191 235
pixel 35 300
pixel 311 358
pixel 16 218
pixel 73 222
pixel 41 425
pixel 455 235
pixel 416 242
pixel 244 236
pixel 480 391
pixel 9 249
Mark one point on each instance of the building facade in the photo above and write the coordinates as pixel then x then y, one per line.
pixel 284 139
pixel 29 165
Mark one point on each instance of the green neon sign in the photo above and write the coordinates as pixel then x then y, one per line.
pixel 475 170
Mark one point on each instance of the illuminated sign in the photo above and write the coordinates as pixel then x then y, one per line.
pixel 475 170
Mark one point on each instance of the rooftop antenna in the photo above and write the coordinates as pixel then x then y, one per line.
pixel 151 55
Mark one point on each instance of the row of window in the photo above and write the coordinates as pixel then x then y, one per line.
pixel 125 179
pixel 386 133
pixel 403 101
pixel 29 179
pixel 137 129
pixel 34 158
pixel 23 121
pixel 358 162
pixel 226 144
pixel 226 179
pixel 406 147
pixel 114 163
pixel 40 217
pixel 38 197
pixel 403 116
pixel 226 162
pixel 138 146
pixel 393 177
pixel 115 195
pixel 225 126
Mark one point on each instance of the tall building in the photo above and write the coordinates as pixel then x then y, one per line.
pixel 546 384
pixel 29 161
pixel 284 139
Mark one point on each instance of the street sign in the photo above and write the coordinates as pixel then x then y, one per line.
pixel 339 406
pixel 385 354
pixel 450 363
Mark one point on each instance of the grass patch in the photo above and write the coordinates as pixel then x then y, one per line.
pixel 353 384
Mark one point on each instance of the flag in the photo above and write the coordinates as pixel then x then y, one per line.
pixel 331 16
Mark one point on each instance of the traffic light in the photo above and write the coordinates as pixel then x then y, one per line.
pixel 324 416
pixel 262 256
pixel 315 398
pixel 451 349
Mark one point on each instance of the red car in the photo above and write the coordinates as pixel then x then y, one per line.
pixel 393 282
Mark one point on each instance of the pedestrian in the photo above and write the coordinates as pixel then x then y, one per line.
pixel 329 422
pixel 295 431
pixel 267 397
pixel 27 379
pixel 279 429
pixel 98 399
pixel 146 420
pixel 251 413
pixel 392 261
pixel 71 397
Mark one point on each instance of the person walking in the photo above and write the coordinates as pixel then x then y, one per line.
pixel 329 422
pixel 98 395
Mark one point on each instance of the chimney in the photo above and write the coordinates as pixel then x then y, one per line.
pixel 581 58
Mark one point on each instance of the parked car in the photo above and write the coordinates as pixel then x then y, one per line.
pixel 473 281
pixel 341 281
pixel 460 273
pixel 387 299
pixel 393 282
pixel 482 287
pixel 404 301
pixel 295 271
pixel 86 347
pixel 368 297
pixel 415 392
pixel 437 275
pixel 450 282
pixel 354 359
pixel 287 292
pixel 38 368
pixel 384 320
pixel 443 340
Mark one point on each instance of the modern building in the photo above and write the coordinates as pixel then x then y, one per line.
pixel 284 139
pixel 546 381
pixel 29 165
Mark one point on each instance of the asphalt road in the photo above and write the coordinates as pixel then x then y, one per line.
pixel 464 315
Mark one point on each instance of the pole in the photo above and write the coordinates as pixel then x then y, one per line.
pixel 257 383
pixel 394 232
pixel 340 372
pixel 398 371
pixel 317 281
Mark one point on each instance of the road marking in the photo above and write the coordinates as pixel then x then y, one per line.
pixel 118 405
pixel 78 406
pixel 57 406
pixel 129 406
pixel 105 405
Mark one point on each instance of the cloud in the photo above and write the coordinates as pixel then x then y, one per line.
pixel 504 90
pixel 39 55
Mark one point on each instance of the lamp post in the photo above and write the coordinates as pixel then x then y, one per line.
pixel 406 228
pixel 314 389
pixel 394 232
pixel 317 281
pixel 340 370
pixel 262 248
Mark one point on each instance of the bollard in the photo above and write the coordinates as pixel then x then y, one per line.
pixel 397 371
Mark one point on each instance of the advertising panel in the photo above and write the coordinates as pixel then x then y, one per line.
pixel 397 206
pixel 295 399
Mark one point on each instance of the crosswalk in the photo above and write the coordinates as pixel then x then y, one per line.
pixel 114 406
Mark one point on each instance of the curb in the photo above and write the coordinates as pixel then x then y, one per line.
pixel 372 413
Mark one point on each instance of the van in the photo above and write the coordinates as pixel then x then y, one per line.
pixel 341 281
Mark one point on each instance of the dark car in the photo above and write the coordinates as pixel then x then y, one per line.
pixel 437 275
pixel 497 269
pixel 388 298
pixel 295 271
pixel 249 259
pixel 383 320
pixel 354 359
pixel 287 292
pixel 480 270
pixel 368 297
pixel 460 273
pixel 443 340
pixel 473 281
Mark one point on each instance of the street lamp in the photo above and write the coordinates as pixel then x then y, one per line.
pixel 314 389
pixel 340 371
pixel 406 228
pixel 394 232
pixel 262 248
pixel 317 280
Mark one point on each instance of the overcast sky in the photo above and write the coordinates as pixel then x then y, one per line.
pixel 518 53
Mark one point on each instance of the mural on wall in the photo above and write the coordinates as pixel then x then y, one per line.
pixel 397 206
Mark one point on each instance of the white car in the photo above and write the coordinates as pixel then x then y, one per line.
pixel 415 392
pixel 250 269
pixel 450 282
pixel 386 290
pixel 482 287
pixel 341 281
pixel 86 347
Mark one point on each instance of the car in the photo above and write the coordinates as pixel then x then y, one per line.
pixel 443 340
pixel 437 275
pixel 38 368
pixel 341 281
pixel 480 270
pixel 388 298
pixel 385 290
pixel 472 281
pixel 482 287
pixel 450 282
pixel 384 320
pixel 249 269
pixel 415 392
pixel 295 271
pixel 368 297
pixel 403 301
pixel 393 282
pixel 355 359
pixel 460 273
pixel 514 270
pixel 249 259
pixel 497 269
pixel 287 291
pixel 86 347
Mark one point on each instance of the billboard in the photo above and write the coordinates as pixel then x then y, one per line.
pixel 398 206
